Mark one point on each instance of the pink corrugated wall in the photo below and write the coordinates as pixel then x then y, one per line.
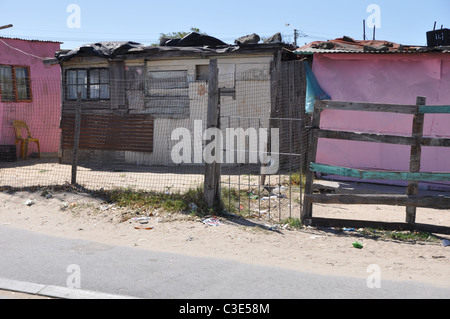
pixel 43 113
pixel 383 78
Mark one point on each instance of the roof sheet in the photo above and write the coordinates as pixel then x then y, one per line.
pixel 349 45
pixel 33 40
pixel 119 50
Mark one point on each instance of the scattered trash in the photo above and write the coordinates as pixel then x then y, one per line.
pixel 446 242
pixel 348 229
pixel 143 227
pixel 261 212
pixel 269 198
pixel 358 245
pixel 274 227
pixel 193 207
pixel 212 222
pixel 140 218
pixel 30 202
pixel 253 196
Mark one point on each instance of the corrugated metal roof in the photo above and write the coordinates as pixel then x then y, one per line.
pixel 349 45
pixel 33 40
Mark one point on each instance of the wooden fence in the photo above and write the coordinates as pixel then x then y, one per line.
pixel 411 200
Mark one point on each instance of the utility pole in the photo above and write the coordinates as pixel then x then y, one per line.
pixel 295 37
pixel 296 33
pixel 6 26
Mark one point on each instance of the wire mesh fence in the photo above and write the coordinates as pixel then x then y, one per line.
pixel 148 133
pixel 267 180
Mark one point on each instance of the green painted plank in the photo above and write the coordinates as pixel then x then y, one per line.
pixel 368 175
pixel 434 109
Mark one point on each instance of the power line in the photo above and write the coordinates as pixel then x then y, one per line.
pixel 23 52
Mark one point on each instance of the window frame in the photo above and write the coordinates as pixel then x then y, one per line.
pixel 15 83
pixel 88 84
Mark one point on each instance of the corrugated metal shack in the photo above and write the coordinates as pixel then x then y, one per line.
pixel 134 96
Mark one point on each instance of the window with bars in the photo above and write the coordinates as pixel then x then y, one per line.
pixel 93 84
pixel 15 83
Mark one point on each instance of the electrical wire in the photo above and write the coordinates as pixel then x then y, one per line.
pixel 23 52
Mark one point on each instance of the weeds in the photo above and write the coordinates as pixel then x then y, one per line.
pixel 297 179
pixel 169 202
pixel 404 236
pixel 293 222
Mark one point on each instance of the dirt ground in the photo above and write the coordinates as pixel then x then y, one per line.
pixel 261 242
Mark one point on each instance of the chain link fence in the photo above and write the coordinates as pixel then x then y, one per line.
pixel 155 138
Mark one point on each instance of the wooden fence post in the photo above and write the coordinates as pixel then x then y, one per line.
pixel 212 170
pixel 312 152
pixel 76 139
pixel 416 154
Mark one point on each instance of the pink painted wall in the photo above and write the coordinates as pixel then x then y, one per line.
pixel 383 78
pixel 43 113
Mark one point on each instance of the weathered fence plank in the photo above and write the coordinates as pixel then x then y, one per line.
pixel 411 200
pixel 385 175
pixel 212 170
pixel 416 157
pixel 381 199
pixel 369 107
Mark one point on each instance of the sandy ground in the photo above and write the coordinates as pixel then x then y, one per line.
pixel 320 251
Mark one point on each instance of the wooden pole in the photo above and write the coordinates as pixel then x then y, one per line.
pixel 416 154
pixel 212 170
pixel 312 153
pixel 76 139
pixel 6 26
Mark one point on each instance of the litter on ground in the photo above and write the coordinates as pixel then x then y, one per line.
pixel 212 222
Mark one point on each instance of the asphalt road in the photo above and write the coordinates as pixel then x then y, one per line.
pixel 100 271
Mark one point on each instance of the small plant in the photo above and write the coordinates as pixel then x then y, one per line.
pixel 293 222
pixel 411 236
pixel 235 201
pixel 405 236
pixel 297 179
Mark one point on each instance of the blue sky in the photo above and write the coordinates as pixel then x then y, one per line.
pixel 402 21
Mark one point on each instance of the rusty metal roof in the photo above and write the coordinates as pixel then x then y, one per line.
pixel 349 45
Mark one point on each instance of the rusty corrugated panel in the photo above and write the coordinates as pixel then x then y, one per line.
pixel 132 133
pixel 349 45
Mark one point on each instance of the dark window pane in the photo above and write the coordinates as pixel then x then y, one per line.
pixel 104 91
pixel 7 83
pixel 94 77
pixel 23 84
